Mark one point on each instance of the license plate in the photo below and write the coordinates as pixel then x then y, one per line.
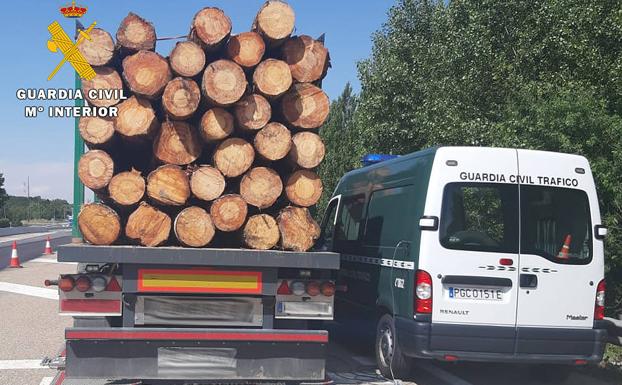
pixel 476 293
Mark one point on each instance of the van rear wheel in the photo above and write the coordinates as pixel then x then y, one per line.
pixel 389 357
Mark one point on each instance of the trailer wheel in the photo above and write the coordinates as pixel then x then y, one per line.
pixel 389 357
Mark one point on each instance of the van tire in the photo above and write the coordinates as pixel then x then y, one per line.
pixel 389 357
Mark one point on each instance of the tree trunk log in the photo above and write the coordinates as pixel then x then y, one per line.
pixel 210 28
pixel 307 149
pixel 168 185
pixel 105 78
pixel 229 212
pixel 181 98
pixel 246 49
pixel 305 106
pixel 298 229
pixel 193 227
pixel 95 169
pixel 304 188
pixel 148 225
pixel 273 142
pixel 136 119
pixel 99 224
pixel 224 82
pixel 272 78
pixel 261 232
pixel 127 188
pixel 261 187
pixel 207 183
pixel 98 51
pixel 177 143
pixel 252 112
pixel 233 157
pixel 135 34
pixel 307 58
pixel 97 132
pixel 187 59
pixel 146 73
pixel 275 22
pixel 216 125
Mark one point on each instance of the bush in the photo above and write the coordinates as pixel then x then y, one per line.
pixel 16 223
pixel 4 222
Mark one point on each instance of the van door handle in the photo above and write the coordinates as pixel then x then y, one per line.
pixel 529 281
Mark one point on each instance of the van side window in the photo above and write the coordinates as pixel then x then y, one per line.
pixel 325 243
pixel 388 221
pixel 349 223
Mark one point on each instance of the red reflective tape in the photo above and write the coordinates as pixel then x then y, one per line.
pixel 60 378
pixel 90 305
pixel 218 336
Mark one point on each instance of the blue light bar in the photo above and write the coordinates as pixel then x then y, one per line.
pixel 370 159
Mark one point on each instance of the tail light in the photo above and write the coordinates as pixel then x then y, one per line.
pixel 284 288
pixel 327 289
pixel 313 288
pixel 599 306
pixel 66 284
pixel 298 288
pixel 83 283
pixel 98 284
pixel 423 292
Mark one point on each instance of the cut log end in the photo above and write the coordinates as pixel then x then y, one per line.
pixel 246 49
pixel 99 50
pixel 305 106
pixel 224 82
pixel 181 98
pixel 136 119
pixel 261 187
pixel 252 112
pixel 177 143
pixel 148 225
pixel 95 169
pixel 99 224
pixel 275 21
pixel 298 229
pixel 307 58
pixel 168 185
pixel 229 212
pixel 273 142
pixel 233 157
pixel 207 183
pixel 105 78
pixel 261 232
pixel 193 227
pixel 216 125
pixel 146 73
pixel 211 27
pixel 127 188
pixel 187 59
pixel 96 131
pixel 272 77
pixel 308 150
pixel 304 188
pixel 135 34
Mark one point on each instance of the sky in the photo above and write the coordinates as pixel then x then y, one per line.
pixel 41 149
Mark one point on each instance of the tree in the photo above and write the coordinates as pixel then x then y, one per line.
pixel 3 194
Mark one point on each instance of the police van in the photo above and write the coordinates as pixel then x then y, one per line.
pixel 474 254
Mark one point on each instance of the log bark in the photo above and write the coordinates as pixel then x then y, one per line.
pixel 211 28
pixel 275 22
pixel 168 185
pixel 246 49
pixel 187 59
pixel 105 78
pixel 303 188
pixel 229 212
pixel 224 83
pixel 272 78
pixel 148 226
pixel 136 119
pixel 305 106
pixel 97 132
pixel 233 157
pixel 99 224
pixel 181 98
pixel 127 188
pixel 298 229
pixel 135 34
pixel 308 59
pixel 261 232
pixel 307 149
pixel 146 73
pixel 193 227
pixel 98 51
pixel 273 142
pixel 177 143
pixel 95 169
pixel 216 125
pixel 261 187
pixel 252 112
pixel 207 183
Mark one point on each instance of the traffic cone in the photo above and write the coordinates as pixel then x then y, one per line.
pixel 48 247
pixel 563 253
pixel 14 257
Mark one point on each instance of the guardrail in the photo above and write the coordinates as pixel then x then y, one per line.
pixel 30 229
pixel 614 327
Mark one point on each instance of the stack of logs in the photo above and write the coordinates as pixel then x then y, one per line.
pixel 214 145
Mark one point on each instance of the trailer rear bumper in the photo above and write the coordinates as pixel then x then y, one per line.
pixel 195 354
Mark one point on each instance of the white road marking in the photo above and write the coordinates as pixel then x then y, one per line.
pixel 50 259
pixel 441 374
pixel 29 290
pixel 21 364
pixel 46 380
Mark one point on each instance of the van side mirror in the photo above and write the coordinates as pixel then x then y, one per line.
pixel 600 231
pixel 428 223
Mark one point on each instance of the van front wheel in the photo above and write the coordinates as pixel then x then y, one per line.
pixel 389 357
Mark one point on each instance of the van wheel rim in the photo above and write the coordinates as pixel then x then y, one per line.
pixel 386 346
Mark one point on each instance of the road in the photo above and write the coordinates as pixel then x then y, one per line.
pixel 32 246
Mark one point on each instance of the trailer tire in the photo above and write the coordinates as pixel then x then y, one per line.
pixel 389 357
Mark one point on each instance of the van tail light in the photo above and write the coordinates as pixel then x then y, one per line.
pixel 423 292
pixel 599 306
pixel 328 289
pixel 66 284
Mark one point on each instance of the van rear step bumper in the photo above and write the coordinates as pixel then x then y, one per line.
pixel 195 354
pixel 501 344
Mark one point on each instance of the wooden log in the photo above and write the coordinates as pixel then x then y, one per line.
pixel 223 83
pixel 95 169
pixel 187 59
pixel 105 78
pixel 148 226
pixel 298 229
pixel 216 125
pixel 261 232
pixel 181 98
pixel 99 224
pixel 307 149
pixel 233 157
pixel 252 112
pixel 229 212
pixel 261 187
pixel 307 58
pixel 193 227
pixel 127 188
pixel 98 51
pixel 135 34
pixel 207 183
pixel 303 188
pixel 273 142
pixel 211 28
pixel 272 78
pixel 177 143
pixel 97 132
pixel 305 106
pixel 146 73
pixel 275 22
pixel 168 185
pixel 246 49
pixel 136 119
